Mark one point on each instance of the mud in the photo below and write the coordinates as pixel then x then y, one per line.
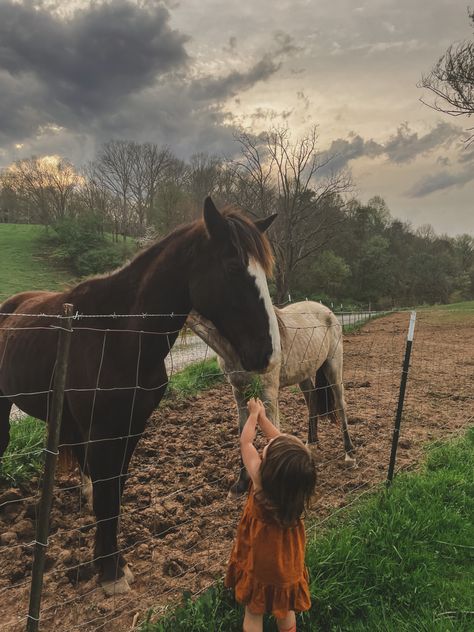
pixel 177 523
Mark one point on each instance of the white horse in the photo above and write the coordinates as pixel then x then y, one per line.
pixel 311 356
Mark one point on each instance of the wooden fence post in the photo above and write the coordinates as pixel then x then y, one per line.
pixel 51 450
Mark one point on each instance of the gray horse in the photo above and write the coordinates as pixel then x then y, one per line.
pixel 311 356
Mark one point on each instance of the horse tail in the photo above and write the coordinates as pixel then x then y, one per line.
pixel 324 396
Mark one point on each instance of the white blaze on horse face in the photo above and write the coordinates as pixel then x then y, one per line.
pixel 256 271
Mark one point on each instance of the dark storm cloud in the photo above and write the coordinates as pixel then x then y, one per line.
pixel 439 181
pixel 406 145
pixel 402 147
pixel 69 69
pixel 212 88
pixel 111 69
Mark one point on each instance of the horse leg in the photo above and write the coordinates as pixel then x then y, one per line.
pixel 270 388
pixel 5 408
pixel 307 388
pixel 241 485
pixel 108 466
pixel 332 369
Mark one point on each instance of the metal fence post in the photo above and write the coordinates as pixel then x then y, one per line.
pixel 401 398
pixel 51 450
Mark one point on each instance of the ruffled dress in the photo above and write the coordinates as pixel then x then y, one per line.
pixel 266 566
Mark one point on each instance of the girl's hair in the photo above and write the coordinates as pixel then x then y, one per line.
pixel 288 479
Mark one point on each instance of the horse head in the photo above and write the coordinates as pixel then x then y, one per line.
pixel 228 285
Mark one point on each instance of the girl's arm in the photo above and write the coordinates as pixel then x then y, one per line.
pixel 250 456
pixel 266 426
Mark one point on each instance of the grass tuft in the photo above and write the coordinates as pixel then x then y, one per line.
pixel 194 378
pixel 24 455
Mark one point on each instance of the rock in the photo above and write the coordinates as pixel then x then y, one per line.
pixel 9 537
pixel 9 496
pixel 143 550
pixel 25 529
pixel 12 512
pixel 174 567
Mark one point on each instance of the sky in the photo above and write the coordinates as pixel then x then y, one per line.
pixel 191 73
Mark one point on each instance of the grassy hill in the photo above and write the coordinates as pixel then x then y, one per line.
pixel 24 261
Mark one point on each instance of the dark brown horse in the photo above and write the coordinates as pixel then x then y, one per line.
pixel 116 375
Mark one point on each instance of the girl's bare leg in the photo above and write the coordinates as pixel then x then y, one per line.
pixel 252 622
pixel 288 623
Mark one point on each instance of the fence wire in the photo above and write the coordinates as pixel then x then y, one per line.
pixel 176 522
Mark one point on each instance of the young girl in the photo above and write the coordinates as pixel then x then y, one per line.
pixel 266 566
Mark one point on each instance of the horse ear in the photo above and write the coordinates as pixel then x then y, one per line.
pixel 264 224
pixel 216 224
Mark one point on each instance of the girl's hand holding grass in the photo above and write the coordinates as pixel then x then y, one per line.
pixel 255 407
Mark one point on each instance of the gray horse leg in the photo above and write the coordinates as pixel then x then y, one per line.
pixel 242 483
pixel 307 388
pixel 333 372
pixel 5 408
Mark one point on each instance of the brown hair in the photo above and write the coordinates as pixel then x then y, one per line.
pixel 288 479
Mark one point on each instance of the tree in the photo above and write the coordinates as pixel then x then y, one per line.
pixel 132 174
pixel 294 179
pixel 46 185
pixel 452 80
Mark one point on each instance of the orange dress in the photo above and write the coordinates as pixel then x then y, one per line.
pixel 266 566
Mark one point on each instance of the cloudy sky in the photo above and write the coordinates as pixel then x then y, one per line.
pixel 187 73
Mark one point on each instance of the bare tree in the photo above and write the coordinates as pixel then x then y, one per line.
pixel 46 185
pixel 452 81
pixel 294 179
pixel 132 173
pixel 173 206
pixel 149 166
pixel 203 178
pixel 112 170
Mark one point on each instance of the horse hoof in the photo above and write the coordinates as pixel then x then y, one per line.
pixel 350 461
pixel 117 587
pixel 127 573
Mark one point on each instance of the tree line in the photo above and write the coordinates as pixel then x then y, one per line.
pixel 328 245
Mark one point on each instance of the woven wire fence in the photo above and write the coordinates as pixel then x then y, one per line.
pixel 176 522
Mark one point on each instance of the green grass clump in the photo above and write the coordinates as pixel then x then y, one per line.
pixel 400 561
pixel 25 261
pixel 254 388
pixel 454 313
pixel 24 455
pixel 194 378
pixel 385 568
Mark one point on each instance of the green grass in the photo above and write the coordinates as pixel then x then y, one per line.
pixel 255 388
pixel 193 379
pixel 454 313
pixel 24 455
pixel 24 261
pixel 400 561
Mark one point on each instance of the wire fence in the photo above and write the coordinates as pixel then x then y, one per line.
pixel 176 523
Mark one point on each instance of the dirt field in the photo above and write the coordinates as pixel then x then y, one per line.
pixel 177 523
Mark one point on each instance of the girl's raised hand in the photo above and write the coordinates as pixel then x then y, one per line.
pixel 254 406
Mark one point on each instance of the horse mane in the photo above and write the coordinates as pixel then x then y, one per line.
pixel 247 238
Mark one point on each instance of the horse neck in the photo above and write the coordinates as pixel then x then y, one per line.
pixel 160 277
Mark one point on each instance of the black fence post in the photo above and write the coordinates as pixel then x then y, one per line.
pixel 51 450
pixel 401 398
